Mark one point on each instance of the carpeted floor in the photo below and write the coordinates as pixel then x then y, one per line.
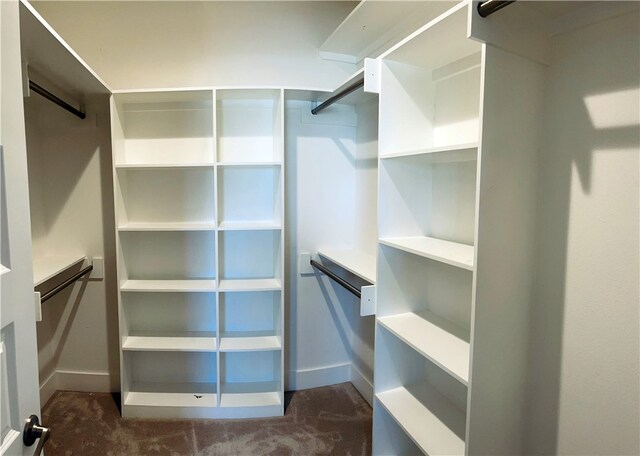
pixel 332 420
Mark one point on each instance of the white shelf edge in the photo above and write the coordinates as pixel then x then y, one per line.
pixel 48 267
pixel 432 336
pixel 447 252
pixel 203 342
pixel 356 262
pixel 232 285
pixel 172 395
pixel 424 426
pixel 164 165
pixel 177 226
pixel 168 286
pixel 250 164
pixel 237 343
pixel 249 226
pixel 456 152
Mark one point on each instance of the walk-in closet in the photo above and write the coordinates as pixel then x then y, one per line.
pixel 351 227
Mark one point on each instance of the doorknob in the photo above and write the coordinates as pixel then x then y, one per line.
pixel 33 431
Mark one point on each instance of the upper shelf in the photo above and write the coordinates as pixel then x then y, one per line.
pixel 48 267
pixel 375 25
pixel 359 263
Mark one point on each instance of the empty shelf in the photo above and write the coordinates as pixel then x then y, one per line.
pixel 444 154
pixel 431 420
pixel 170 341
pixel 356 262
pixel 250 394
pixel 236 342
pixel 163 165
pixel 167 226
pixel 48 267
pixel 172 395
pixel 250 284
pixel 240 226
pixel 168 285
pixel 250 163
pixel 452 253
pixel 435 338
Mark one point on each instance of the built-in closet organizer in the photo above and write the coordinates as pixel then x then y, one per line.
pixel 199 189
pixel 69 159
pixel 461 116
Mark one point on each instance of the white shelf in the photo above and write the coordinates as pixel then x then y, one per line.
pixel 168 285
pixel 442 154
pixel 3 269
pixel 167 226
pixel 249 394
pixel 163 165
pixel 230 342
pixel 249 163
pixel 452 253
pixel 245 226
pixel 48 267
pixel 172 395
pixel 356 262
pixel 428 418
pixel 440 341
pixel 178 342
pixel 250 285
pixel 372 24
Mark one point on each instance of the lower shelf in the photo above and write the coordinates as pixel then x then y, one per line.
pixel 261 394
pixel 172 395
pixel 253 342
pixel 170 341
pixel 431 420
pixel 168 286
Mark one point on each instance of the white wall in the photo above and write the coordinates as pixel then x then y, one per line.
pixel 71 202
pixel 584 371
pixel 140 44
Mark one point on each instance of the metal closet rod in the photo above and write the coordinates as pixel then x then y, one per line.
pixel 51 97
pixel 337 278
pixel 489 7
pixel 343 93
pixel 54 291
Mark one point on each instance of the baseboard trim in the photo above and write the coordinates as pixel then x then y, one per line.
pixel 321 376
pixel 90 382
pixel 47 388
pixel 362 384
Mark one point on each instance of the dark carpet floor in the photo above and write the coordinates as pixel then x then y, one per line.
pixel 333 420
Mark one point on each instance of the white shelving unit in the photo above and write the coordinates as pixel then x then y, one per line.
pixel 429 135
pixel 455 201
pixel 199 191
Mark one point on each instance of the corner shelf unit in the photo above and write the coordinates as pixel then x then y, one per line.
pixel 200 252
pixel 456 200
pixel 428 164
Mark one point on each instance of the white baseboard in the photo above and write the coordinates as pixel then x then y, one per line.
pixel 321 376
pixel 362 384
pixel 90 382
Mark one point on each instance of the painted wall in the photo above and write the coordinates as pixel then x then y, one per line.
pixel 179 44
pixel 71 202
pixel 584 371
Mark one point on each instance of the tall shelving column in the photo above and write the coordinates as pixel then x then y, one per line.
pixel 428 161
pixel 164 181
pixel 250 237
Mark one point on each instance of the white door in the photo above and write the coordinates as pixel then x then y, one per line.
pixel 19 390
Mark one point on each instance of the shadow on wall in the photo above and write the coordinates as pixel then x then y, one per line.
pixel 586 296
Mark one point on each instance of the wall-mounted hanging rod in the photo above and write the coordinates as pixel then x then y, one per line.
pixel 343 93
pixel 51 97
pixel 51 293
pixel 337 278
pixel 489 7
